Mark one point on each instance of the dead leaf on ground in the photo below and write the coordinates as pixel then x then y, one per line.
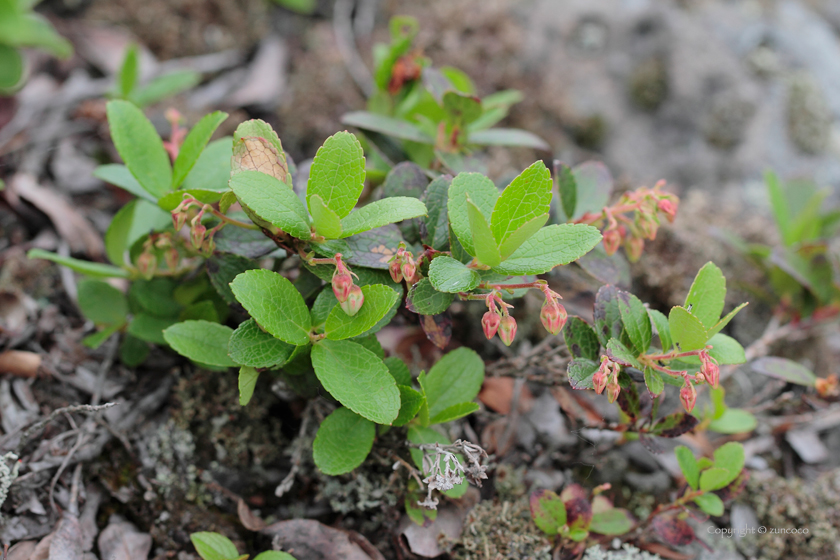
pixel 121 540
pixel 249 520
pixel 310 539
pixel 425 541
pixel 20 363
pixel 67 540
pixel 21 551
pixel 497 393
pixel 72 226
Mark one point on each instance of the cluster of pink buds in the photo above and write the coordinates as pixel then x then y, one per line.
pixel 607 378
pixel 709 369
pixel 552 315
pixel 688 395
pixel 498 321
pixel 349 295
pixel 647 206
pixel 402 265
pixel 200 237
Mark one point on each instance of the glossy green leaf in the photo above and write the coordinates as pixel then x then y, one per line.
pixel 411 401
pixel 714 478
pixel 686 329
pixel 213 546
pixel 580 372
pixel 343 441
pixel 326 222
pixel 102 303
pixel 129 71
pixel 92 269
pixel 194 144
pixel 486 250
pixel 149 328
pixel 165 86
pixel 706 297
pixel 399 371
pixel 550 247
pixel 653 381
pixel 274 554
pixel 482 192
pixel 448 275
pixel 527 197
pixel 436 199
pixel 581 339
pixel 396 128
pixel 11 67
pixel 454 379
pixel 357 378
pixel 170 201
pixel 521 235
pixel 454 412
pixel 131 222
pixel 567 187
pixel 622 354
pixel 29 29
pixel 337 174
pixel 247 383
pixel 379 300
pixel 734 421
pixel 425 300
pixel 273 201
pixel 274 304
pixel 636 321
pixel 201 341
pixel 726 350
pixel 119 175
pixel 212 169
pixel 688 466
pixel 251 346
pixel 141 148
pixel 381 213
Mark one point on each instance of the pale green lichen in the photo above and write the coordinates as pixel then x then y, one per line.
pixel 7 475
pixel 496 530
pixel 626 552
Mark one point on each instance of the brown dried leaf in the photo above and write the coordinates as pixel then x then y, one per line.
pixel 121 540
pixel 42 550
pixel 247 517
pixel 438 328
pixel 310 539
pixel 22 550
pixel 497 393
pixel 254 153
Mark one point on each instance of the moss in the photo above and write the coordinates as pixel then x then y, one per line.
pixel 808 115
pixel 648 84
pixel 497 530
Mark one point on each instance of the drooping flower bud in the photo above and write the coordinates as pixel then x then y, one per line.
pixel 599 379
pixel 396 271
pixel 147 264
pixel 613 390
pixel 342 283
pixel 197 233
pixel 408 267
pixel 355 300
pixel 507 329
pixel 669 207
pixel 179 219
pixel 490 324
pixel 688 395
pixel 710 369
pixel 612 240
pixel 553 316
pixel 634 247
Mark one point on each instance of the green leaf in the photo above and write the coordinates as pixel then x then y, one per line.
pixel 212 169
pixel 357 378
pixel 527 197
pixel 521 235
pixel 133 221
pixel 436 198
pixel 425 300
pixel 150 328
pixel 274 554
pixel 133 351
pixel 784 369
pixel 714 478
pixel 622 354
pixel 222 268
pixel 730 456
pixel 171 201
pixel 201 341
pixel 486 250
pixel 399 371
pixel 607 315
pixel 203 310
pixel 92 269
pixel 578 534
pixel 155 296
pixel 508 137
pixel 454 412
pixel 411 401
pixel 272 200
pixel 119 175
pixel 581 339
pixel 165 86
pixel 380 213
pixel 102 303
pixel 482 192
pixel 11 67
pixel 141 148
pixel 97 339
pixel 726 350
pixel 688 466
pixel 653 381
pixel 580 372
pixel 461 109
pixel 686 329
pixel 337 174
pixel 454 379
pixel 548 511
pixel 448 275
pixel 612 522
pixel 663 329
pixel 247 383
pixel 251 346
pixel 389 126
pixel 33 30
pixel 129 71
pixel 550 247
pixel 567 187
pixel 706 296
pixel 725 321
pixel 710 504
pixel 343 441
pixel 379 300
pixel 275 305
pixel 194 144
pixel 213 546
pixel 734 421
pixel 326 222
pixel 779 203
pixel 636 321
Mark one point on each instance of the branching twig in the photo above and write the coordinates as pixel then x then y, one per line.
pixel 38 426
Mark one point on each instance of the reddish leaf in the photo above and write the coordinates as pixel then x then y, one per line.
pixel 735 487
pixel 673 530
pixel 578 513
pixel 674 425
pixel 438 328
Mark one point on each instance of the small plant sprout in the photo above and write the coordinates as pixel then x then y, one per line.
pixel 213 546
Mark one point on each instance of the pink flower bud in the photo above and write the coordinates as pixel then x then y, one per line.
pixel 507 329
pixel 408 268
pixel 599 380
pixel 197 233
pixel 147 264
pixel 553 316
pixel 710 370
pixel 634 247
pixel 669 207
pixel 490 324
pixel 612 240
pixel 354 300
pixel 613 390
pixel 178 220
pixel 688 396
pixel 396 271
pixel 342 283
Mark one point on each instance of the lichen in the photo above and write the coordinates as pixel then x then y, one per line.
pixel 808 115
pixel 7 475
pixel 626 552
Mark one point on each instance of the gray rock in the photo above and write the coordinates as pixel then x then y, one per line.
pixel 548 422
pixel 650 483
